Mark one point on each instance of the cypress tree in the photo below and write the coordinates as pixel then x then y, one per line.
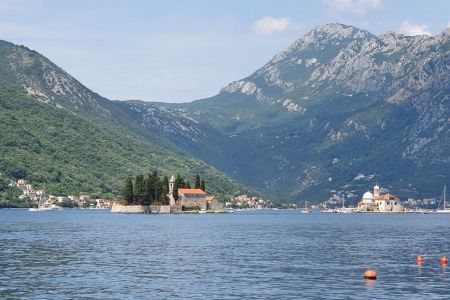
pixel 127 191
pixel 202 185
pixel 165 184
pixel 165 190
pixel 179 183
pixel 197 181
pixel 158 190
pixel 139 190
pixel 149 189
pixel 187 185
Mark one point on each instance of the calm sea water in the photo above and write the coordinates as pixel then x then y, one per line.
pixel 248 255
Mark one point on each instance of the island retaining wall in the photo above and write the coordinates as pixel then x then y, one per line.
pixel 140 209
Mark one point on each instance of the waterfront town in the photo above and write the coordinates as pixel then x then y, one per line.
pixel 248 202
pixel 39 197
pixel 194 199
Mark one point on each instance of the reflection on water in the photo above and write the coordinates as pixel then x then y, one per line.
pixel 368 283
pixel 251 255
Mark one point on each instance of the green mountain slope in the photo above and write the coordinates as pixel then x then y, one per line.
pixel 55 130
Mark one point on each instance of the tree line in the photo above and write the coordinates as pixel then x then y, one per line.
pixel 154 189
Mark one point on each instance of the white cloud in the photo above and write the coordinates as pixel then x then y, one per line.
pixel 448 25
pixel 351 6
pixel 269 25
pixel 414 29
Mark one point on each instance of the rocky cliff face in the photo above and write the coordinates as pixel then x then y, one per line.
pixel 342 59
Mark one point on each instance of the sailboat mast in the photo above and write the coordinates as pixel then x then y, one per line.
pixel 445 191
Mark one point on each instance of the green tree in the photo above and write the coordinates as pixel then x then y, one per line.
pixel 187 185
pixel 202 185
pixel 165 183
pixel 158 190
pixel 179 183
pixel 127 191
pixel 149 189
pixel 197 181
pixel 165 190
pixel 139 190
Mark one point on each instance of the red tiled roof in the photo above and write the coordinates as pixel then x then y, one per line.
pixel 192 191
pixel 385 197
pixel 210 198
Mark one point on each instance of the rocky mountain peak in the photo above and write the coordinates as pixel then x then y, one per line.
pixel 337 31
pixel 340 58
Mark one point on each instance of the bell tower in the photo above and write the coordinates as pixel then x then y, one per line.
pixel 171 184
pixel 376 190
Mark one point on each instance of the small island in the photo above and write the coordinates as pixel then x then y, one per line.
pixel 156 194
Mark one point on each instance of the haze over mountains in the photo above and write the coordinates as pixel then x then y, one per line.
pixel 337 111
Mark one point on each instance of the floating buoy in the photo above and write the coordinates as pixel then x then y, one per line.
pixel 419 260
pixel 370 274
pixel 444 260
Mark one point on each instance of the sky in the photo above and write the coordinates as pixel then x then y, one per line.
pixel 179 51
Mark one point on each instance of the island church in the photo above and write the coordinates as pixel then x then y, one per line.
pixel 191 199
pixel 377 202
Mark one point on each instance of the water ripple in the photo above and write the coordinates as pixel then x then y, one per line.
pixel 82 254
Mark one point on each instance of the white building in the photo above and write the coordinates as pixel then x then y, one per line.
pixel 379 202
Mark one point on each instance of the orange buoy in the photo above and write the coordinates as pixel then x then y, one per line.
pixel 419 260
pixel 370 274
pixel 444 260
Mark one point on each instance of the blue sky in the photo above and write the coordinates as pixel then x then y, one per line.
pixel 177 51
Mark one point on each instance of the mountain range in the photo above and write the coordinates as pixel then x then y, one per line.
pixel 337 111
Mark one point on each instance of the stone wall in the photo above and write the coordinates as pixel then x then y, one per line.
pixel 160 209
pixel 215 205
pixel 140 209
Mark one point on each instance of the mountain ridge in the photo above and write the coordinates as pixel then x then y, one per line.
pixel 336 110
pixel 379 80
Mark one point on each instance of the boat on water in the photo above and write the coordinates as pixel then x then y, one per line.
pixel 343 209
pixel 305 210
pixel 40 206
pixel 40 209
pixel 444 209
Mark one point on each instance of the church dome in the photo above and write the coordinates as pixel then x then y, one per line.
pixel 367 196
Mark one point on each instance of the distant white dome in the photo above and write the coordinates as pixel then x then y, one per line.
pixel 367 196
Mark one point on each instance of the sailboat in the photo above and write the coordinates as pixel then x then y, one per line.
pixel 343 209
pixel 40 205
pixel 305 210
pixel 444 210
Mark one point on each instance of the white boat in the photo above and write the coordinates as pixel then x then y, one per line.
pixel 40 206
pixel 40 209
pixel 305 210
pixel 444 209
